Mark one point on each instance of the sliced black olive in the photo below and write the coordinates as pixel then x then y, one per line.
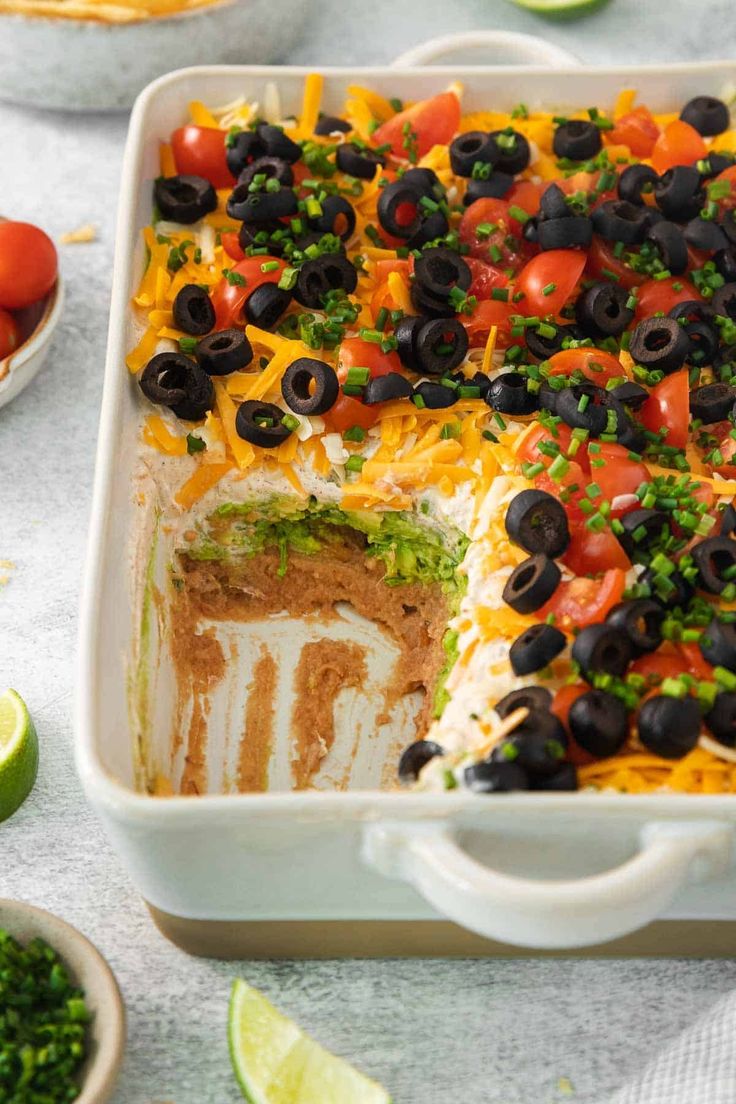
pixel 586 406
pixel 725 262
pixel 223 352
pixel 265 305
pixel 728 521
pixel 386 388
pixel 537 753
pixel 271 234
pixel 630 394
pixel 272 168
pixel 278 144
pixel 338 218
pixel 309 386
pixel 538 522
pixel 633 180
pixel 331 124
pixel 193 311
pixel 669 727
pixel 565 233
pixel 717 162
pixel 173 380
pixel 260 207
pixel 495 187
pixel 641 529
pixel 424 181
pixel 480 380
pixel 692 310
pixel 659 343
pixel 406 332
pixel 599 723
pixel 261 423
pixel 484 778
pixel 242 149
pixel 601 310
pixel 703 343
pixel 641 619
pixel 415 757
pixel 671 592
pixel 707 114
pixel 184 199
pixel 617 220
pixel 534 698
pixel 531 584
pixel 509 394
pixel 553 203
pixel 439 271
pixel 510 150
pixel 728 224
pixel 536 648
pixel 542 348
pixel 440 346
pixel 359 161
pixel 433 226
pixel 631 438
pixel 718 644
pixel 724 301
pixel 314 237
pixel 475 146
pixel 399 212
pixel 324 274
pixel 565 778
pixel 578 139
pixel 670 243
pixel 679 193
pixel 436 396
pixel 705 234
pixel 547 396
pixel 530 231
pixel 721 718
pixel 713 402
pixel 602 649
pixel 715 559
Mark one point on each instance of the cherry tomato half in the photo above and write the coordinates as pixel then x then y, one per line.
pixel 662 295
pixel 488 313
pixel 432 122
pixel 669 405
pixel 200 151
pixel 9 334
pixel 602 262
pixel 496 242
pixel 485 278
pixel 231 245
pixel 348 412
pixel 678 144
pixel 28 264
pixel 357 353
pixel 637 130
pixel 229 299
pixel 558 269
pixel 582 601
pixel 595 364
pixel 617 475
pixel 592 553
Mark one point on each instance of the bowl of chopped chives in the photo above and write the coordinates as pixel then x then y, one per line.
pixel 62 1020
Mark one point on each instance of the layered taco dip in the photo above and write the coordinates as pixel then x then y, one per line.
pixel 470 375
pixel 102 11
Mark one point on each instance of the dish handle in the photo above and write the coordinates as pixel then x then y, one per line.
pixel 493 47
pixel 550 915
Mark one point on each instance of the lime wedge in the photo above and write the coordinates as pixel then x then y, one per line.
pixel 18 753
pixel 560 9
pixel 276 1063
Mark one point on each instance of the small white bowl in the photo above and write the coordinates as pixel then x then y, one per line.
pixel 85 64
pixel 37 324
pixel 88 970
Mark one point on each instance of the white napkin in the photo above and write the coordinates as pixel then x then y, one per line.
pixel 699 1067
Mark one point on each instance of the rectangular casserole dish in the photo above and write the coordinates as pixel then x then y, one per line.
pixel 367 855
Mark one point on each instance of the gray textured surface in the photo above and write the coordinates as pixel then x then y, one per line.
pixel 467 1032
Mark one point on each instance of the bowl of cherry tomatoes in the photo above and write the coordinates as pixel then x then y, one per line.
pixel 31 299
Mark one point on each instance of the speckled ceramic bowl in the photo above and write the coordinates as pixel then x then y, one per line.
pixel 88 65
pixel 87 969
pixel 37 324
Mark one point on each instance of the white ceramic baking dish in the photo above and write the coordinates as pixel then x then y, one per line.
pixel 542 870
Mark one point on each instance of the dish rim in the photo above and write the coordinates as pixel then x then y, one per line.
pixel 146 808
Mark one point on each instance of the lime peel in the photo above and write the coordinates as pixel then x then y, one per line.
pixel 18 753
pixel 275 1062
pixel 560 9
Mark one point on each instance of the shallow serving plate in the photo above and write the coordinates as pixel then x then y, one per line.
pixel 542 870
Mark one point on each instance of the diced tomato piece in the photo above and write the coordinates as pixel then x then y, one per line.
pixel 488 313
pixel 231 245
pixel 669 405
pixel 562 702
pixel 637 130
pixel 592 553
pixel 617 475
pixel 662 295
pixel 603 264
pixel 548 280
pixel 562 436
pixel 496 242
pixel 229 298
pixel 678 144
pixel 429 123
pixel 582 601
pixel 355 352
pixel 348 412
pixel 485 278
pixel 595 364
pixel 200 151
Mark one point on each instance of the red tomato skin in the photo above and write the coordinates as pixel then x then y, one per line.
pixel 582 601
pixel 562 436
pixel 607 366
pixel 618 475
pixel 661 295
pixel 637 130
pixel 200 151
pixel 669 405
pixel 525 194
pixel 348 412
pixel 10 337
pixel 561 705
pixel 357 353
pixel 28 264
pixel 435 123
pixel 485 278
pixel 495 212
pixel 592 553
pixel 229 299
pixel 602 261
pixel 232 246
pixel 678 144
pixel 562 267
pixel 489 312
